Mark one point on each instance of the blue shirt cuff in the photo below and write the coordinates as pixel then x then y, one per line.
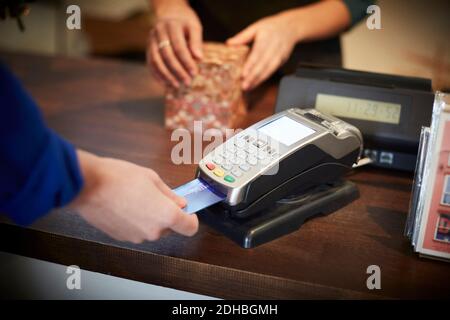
pixel 54 181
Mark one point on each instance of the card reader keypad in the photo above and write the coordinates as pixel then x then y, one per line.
pixel 238 156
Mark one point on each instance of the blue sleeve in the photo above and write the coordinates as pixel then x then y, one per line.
pixel 358 9
pixel 39 170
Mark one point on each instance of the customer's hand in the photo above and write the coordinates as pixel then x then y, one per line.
pixel 175 42
pixel 129 202
pixel 273 42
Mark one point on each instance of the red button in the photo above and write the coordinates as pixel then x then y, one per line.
pixel 210 166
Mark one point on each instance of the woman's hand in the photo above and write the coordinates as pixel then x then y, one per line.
pixel 274 37
pixel 175 42
pixel 273 41
pixel 129 202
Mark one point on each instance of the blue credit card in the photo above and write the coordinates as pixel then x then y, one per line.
pixel 199 195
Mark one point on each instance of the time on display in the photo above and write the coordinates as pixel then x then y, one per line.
pixel 355 108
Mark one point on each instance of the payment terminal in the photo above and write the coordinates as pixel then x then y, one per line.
pixel 268 179
pixel 293 150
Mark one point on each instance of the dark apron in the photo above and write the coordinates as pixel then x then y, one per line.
pixel 223 19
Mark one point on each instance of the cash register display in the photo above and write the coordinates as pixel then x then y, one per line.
pixel 286 130
pixel 361 109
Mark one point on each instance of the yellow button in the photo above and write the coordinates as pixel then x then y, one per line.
pixel 219 172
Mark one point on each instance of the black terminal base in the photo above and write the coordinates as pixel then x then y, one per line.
pixel 283 217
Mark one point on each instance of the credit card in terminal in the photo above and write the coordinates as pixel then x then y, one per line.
pixel 199 195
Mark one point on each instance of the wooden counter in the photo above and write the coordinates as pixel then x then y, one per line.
pixel 115 109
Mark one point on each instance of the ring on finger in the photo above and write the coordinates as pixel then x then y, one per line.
pixel 163 44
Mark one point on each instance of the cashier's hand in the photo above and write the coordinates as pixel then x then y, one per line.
pixel 175 43
pixel 273 42
pixel 129 202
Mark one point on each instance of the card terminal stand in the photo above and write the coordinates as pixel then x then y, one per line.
pixel 282 217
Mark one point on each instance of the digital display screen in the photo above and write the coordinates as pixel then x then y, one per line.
pixel 286 130
pixel 362 109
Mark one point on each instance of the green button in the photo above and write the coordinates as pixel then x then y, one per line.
pixel 229 178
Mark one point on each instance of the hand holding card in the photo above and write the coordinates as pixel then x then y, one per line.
pixel 199 195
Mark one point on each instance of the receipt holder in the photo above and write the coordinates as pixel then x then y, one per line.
pixel 281 218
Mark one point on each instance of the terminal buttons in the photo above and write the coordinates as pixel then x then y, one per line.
pixel 218 159
pixel 227 166
pixel 228 178
pixel 252 160
pixel 236 172
pixel 219 172
pixel 237 157
pixel 244 167
pixel 259 143
pixel 240 143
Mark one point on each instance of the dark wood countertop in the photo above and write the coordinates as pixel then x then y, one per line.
pixel 115 109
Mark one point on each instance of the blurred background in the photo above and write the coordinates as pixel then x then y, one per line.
pixel 413 40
